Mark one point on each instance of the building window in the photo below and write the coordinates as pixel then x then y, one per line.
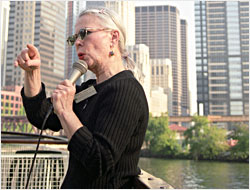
pixel 151 9
pixel 165 8
pixel 172 9
pixel 144 9
pixel 159 8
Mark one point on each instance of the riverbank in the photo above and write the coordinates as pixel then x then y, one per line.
pixel 184 156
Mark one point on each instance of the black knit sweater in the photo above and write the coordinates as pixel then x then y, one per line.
pixel 104 152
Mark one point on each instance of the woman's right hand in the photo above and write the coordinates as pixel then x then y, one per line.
pixel 28 59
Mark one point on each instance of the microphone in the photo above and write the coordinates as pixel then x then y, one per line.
pixel 79 68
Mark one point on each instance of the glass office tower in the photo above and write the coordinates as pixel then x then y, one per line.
pixel 222 57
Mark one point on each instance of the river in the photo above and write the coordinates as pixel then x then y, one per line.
pixel 189 174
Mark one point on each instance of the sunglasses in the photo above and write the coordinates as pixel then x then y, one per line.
pixel 83 33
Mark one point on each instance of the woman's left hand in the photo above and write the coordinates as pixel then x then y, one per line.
pixel 62 97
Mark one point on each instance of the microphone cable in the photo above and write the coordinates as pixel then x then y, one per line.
pixel 38 143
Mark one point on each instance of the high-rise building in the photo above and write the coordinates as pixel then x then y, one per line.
pixel 161 76
pixel 73 10
pixel 222 57
pixel 185 98
pixel 159 27
pixel 159 101
pixel 4 21
pixel 41 23
pixel 126 11
pixel 11 101
pixel 140 54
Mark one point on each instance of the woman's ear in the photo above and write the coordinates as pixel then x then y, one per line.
pixel 115 36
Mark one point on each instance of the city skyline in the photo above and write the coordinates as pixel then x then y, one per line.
pixel 186 9
pixel 187 12
pixel 162 30
pixel 222 57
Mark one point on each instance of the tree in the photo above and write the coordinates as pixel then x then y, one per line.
pixel 6 108
pixel 241 149
pixel 21 111
pixel 205 141
pixel 160 139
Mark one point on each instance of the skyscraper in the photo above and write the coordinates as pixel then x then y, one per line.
pixel 161 76
pixel 222 57
pixel 185 98
pixel 4 21
pixel 140 54
pixel 41 23
pixel 73 10
pixel 126 11
pixel 159 27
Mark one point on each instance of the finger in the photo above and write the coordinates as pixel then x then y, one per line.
pixel 22 63
pixel 67 83
pixel 33 63
pixel 25 55
pixel 57 96
pixel 32 51
pixel 61 87
pixel 56 91
pixel 20 60
pixel 16 63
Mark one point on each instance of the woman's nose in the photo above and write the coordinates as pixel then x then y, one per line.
pixel 78 42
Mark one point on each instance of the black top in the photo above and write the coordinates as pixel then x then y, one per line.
pixel 104 153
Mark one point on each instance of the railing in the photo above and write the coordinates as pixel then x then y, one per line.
pixel 48 171
pixel 17 152
pixel 50 166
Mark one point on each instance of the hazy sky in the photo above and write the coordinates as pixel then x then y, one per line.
pixel 186 9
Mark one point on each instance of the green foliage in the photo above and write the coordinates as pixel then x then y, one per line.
pixel 205 141
pixel 160 139
pixel 21 111
pixel 6 108
pixel 241 149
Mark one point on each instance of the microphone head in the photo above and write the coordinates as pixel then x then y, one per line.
pixel 81 66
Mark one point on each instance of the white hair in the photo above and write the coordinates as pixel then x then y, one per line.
pixel 110 19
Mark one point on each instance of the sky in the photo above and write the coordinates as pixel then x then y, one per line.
pixel 186 10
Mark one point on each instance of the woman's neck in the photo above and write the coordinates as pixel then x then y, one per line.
pixel 109 70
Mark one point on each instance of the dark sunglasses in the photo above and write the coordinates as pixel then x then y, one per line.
pixel 83 33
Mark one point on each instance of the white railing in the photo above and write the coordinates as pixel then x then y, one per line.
pixel 48 172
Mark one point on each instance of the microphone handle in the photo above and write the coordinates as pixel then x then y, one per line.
pixel 74 76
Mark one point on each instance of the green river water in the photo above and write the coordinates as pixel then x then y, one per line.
pixel 189 174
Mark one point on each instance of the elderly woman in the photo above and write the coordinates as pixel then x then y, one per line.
pixel 106 130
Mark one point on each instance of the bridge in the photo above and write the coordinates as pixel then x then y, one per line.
pixel 21 123
pixel 211 118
